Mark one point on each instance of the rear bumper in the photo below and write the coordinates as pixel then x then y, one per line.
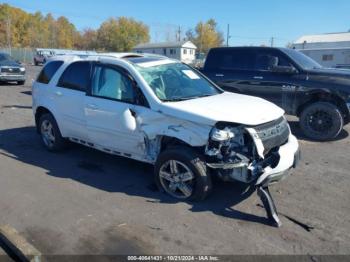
pixel 289 159
pixel 12 77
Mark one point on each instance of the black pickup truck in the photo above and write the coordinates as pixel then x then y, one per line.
pixel 319 96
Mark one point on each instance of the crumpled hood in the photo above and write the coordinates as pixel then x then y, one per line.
pixel 225 107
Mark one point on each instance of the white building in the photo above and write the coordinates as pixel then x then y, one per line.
pixel 329 50
pixel 184 51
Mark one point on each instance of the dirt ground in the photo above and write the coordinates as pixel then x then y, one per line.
pixel 82 201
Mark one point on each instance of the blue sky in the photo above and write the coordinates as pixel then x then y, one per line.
pixel 251 21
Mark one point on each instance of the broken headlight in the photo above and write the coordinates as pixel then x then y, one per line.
pixel 222 141
pixel 219 135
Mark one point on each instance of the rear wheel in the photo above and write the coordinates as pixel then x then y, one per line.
pixel 20 83
pixel 50 133
pixel 182 173
pixel 321 121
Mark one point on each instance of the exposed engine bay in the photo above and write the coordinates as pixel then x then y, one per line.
pixel 233 151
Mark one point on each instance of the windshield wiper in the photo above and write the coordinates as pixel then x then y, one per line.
pixel 176 99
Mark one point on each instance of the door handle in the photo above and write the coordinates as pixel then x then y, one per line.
pixel 92 106
pixel 133 113
pixel 254 83
pixel 219 75
pixel 258 77
pixel 58 93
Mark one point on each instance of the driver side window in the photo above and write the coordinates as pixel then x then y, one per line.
pixel 266 61
pixel 112 84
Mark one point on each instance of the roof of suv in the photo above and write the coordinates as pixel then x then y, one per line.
pixel 131 57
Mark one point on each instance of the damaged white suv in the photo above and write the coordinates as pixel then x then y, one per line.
pixel 163 112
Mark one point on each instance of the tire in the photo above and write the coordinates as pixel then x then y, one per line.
pixel 50 133
pixel 20 83
pixel 187 161
pixel 321 121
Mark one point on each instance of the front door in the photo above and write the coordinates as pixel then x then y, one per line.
pixel 109 112
pixel 278 88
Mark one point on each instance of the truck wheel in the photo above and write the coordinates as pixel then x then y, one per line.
pixel 50 133
pixel 20 83
pixel 321 121
pixel 182 173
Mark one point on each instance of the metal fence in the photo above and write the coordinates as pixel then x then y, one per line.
pixel 25 55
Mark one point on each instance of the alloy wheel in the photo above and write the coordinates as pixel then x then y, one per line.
pixel 177 179
pixel 47 133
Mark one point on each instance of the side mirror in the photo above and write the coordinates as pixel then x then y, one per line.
pixel 284 70
pixel 129 120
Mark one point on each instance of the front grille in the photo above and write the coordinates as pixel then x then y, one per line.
pixel 273 134
pixel 11 70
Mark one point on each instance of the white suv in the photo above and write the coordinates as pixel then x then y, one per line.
pixel 163 112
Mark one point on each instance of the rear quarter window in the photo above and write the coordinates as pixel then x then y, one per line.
pixel 76 76
pixel 48 72
pixel 231 59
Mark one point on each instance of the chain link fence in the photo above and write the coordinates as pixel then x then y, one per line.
pixel 24 55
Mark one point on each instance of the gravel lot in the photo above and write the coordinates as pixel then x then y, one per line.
pixel 82 201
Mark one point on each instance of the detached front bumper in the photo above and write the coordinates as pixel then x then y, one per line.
pixel 289 158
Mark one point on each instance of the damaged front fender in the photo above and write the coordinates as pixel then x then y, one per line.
pixel 157 125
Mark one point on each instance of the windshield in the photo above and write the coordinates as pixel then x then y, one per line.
pixel 5 57
pixel 302 60
pixel 176 82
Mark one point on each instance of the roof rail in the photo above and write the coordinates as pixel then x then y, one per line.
pixel 112 55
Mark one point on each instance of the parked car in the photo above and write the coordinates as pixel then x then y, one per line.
pixel 11 70
pixel 320 97
pixel 162 112
pixel 343 66
pixel 42 55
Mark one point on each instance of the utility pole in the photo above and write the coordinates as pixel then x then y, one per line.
pixel 272 40
pixel 201 39
pixel 228 35
pixel 179 34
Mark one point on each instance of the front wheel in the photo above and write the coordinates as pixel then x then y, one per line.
pixel 182 173
pixel 321 121
pixel 20 83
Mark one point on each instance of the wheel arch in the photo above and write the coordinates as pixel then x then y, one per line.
pixel 41 110
pixel 323 96
pixel 171 142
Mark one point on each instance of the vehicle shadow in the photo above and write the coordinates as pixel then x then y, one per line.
pixel 115 174
pixel 294 126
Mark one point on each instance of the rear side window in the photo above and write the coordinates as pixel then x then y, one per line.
pixel 76 76
pixel 48 72
pixel 231 59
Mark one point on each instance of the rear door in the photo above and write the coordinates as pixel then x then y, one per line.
pixel 69 97
pixel 110 112
pixel 231 68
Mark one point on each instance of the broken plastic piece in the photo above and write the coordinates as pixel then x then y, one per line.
pixel 271 210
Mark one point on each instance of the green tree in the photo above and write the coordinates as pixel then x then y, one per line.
pixel 121 34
